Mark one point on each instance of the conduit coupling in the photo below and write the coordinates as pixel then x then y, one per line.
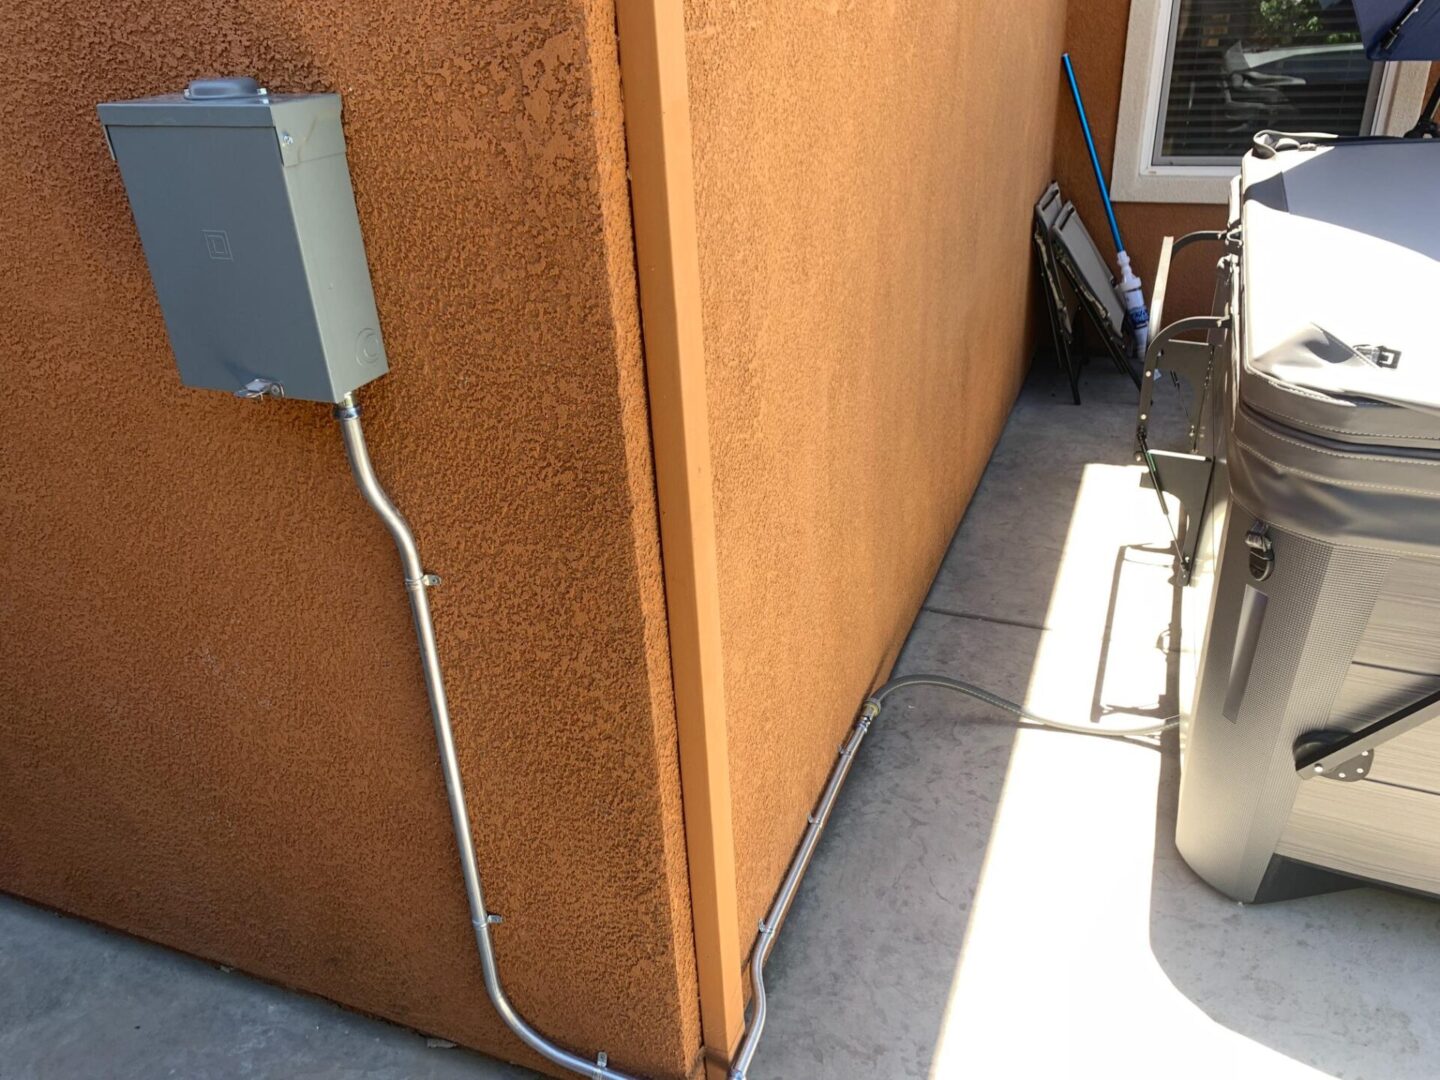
pixel 417 584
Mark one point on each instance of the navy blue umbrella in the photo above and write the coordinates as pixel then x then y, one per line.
pixel 1398 29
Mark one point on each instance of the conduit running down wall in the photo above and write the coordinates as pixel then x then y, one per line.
pixel 196 604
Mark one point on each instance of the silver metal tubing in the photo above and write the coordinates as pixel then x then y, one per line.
pixel 417 582
pixel 790 886
pixel 780 907
pixel 979 693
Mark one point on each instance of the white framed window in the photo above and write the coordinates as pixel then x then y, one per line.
pixel 1202 76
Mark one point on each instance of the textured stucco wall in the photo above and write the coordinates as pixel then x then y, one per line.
pixel 1095 35
pixel 213 731
pixel 865 174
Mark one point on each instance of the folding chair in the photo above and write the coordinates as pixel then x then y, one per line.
pixel 1059 306
pixel 1094 285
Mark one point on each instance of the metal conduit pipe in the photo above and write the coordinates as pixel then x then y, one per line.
pixel 780 907
pixel 789 887
pixel 417 581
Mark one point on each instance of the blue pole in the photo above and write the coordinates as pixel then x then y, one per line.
pixel 1128 284
pixel 1094 157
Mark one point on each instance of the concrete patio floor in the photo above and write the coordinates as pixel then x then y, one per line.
pixel 989 902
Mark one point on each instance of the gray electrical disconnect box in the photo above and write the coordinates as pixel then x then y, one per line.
pixel 247 217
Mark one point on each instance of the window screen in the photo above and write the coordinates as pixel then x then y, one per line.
pixel 1236 67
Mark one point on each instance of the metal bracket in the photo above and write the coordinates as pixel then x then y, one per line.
pixel 1193 359
pixel 1187 477
pixel 1348 771
pixel 1327 753
pixel 1167 352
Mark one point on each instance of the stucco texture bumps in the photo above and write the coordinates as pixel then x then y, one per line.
pixel 865 174
pixel 213 730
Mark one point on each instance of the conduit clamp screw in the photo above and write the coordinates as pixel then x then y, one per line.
pixel 602 1059
pixel 429 580
pixel 260 388
pixel 494 920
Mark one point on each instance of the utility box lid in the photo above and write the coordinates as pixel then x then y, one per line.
pixel 247 217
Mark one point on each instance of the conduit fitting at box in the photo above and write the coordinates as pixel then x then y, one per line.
pixel 417 584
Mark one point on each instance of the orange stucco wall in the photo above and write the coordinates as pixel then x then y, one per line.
pixel 213 730
pixel 1095 35
pixel 864 182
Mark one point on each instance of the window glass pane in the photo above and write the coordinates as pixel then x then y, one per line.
pixel 1236 67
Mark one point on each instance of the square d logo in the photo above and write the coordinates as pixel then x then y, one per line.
pixel 217 244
